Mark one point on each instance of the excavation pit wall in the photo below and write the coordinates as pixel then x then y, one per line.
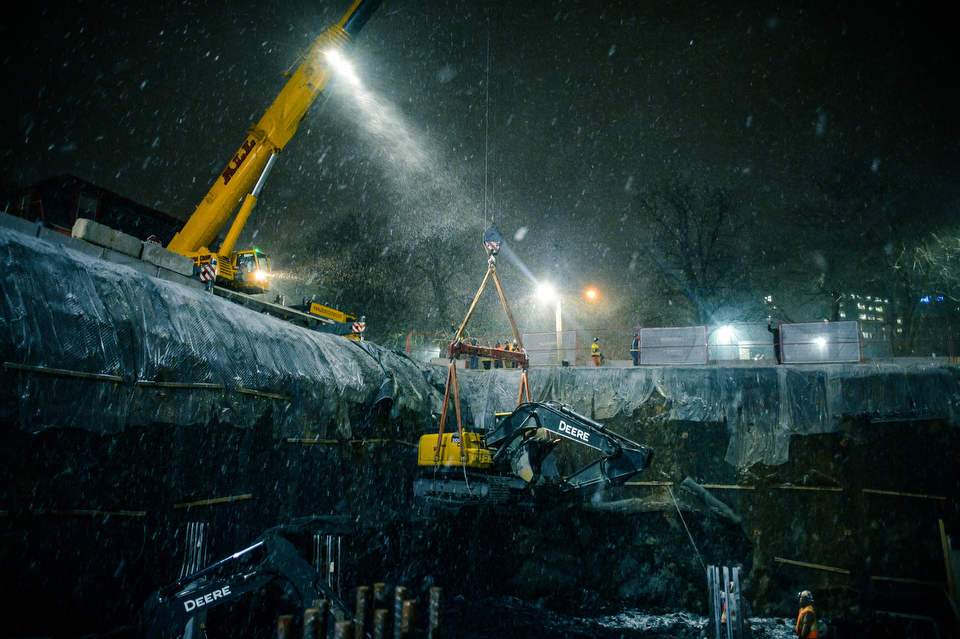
pixel 132 406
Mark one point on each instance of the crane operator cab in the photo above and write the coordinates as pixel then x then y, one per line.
pixel 251 271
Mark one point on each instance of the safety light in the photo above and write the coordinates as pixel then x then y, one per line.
pixel 342 66
pixel 546 292
pixel 725 335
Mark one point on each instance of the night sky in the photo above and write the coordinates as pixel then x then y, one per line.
pixel 818 141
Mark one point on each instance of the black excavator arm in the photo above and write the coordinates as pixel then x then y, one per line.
pixel 518 442
pixel 520 451
pixel 168 611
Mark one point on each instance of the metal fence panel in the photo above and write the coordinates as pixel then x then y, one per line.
pixel 676 345
pixel 814 342
pixel 542 347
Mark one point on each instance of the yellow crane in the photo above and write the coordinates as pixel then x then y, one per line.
pixel 249 270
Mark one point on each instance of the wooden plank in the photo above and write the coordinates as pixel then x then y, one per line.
pixel 60 372
pixel 814 566
pixel 92 513
pixel 649 483
pixel 201 385
pixel 247 391
pixel 825 489
pixel 899 494
pixel 728 487
pixel 210 502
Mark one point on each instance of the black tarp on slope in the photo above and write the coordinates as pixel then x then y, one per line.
pixel 63 310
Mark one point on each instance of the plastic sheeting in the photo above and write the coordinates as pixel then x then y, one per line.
pixel 762 406
pixel 184 356
pixel 60 309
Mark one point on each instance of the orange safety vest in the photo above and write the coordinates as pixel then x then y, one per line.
pixel 813 627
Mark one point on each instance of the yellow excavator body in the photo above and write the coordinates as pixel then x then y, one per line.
pixel 477 455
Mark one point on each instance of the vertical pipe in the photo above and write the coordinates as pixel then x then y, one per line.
pixel 737 603
pixel 560 352
pixel 362 611
pixel 323 612
pixel 436 613
pixel 379 595
pixel 712 579
pixel 343 630
pixel 399 594
pixel 328 569
pixel 381 623
pixel 311 623
pixel 408 619
pixel 285 627
pixel 725 589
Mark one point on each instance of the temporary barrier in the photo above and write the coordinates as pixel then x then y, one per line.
pixel 542 348
pixel 815 342
pixel 678 345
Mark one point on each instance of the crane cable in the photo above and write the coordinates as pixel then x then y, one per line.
pixel 491 204
pixel 695 549
pixel 486 129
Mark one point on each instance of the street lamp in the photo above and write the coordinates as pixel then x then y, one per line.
pixel 547 293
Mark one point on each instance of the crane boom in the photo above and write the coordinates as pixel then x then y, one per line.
pixel 268 136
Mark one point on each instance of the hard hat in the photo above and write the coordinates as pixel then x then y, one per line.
pixel 806 594
pixel 596 339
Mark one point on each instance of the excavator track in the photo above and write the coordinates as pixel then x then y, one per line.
pixel 453 490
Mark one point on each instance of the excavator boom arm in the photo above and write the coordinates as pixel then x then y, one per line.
pixel 169 609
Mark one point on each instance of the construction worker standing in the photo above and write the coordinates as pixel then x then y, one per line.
pixel 595 352
pixel 807 627
pixel 635 349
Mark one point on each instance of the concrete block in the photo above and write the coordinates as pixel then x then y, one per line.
pixel 122 258
pixel 104 236
pixel 156 254
pixel 19 224
pixel 62 239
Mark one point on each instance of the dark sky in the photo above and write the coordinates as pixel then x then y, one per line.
pixel 587 105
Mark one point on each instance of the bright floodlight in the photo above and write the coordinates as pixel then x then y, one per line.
pixel 342 66
pixel 821 341
pixel 725 335
pixel 591 293
pixel 546 292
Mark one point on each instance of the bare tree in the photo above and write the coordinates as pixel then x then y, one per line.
pixel 697 240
